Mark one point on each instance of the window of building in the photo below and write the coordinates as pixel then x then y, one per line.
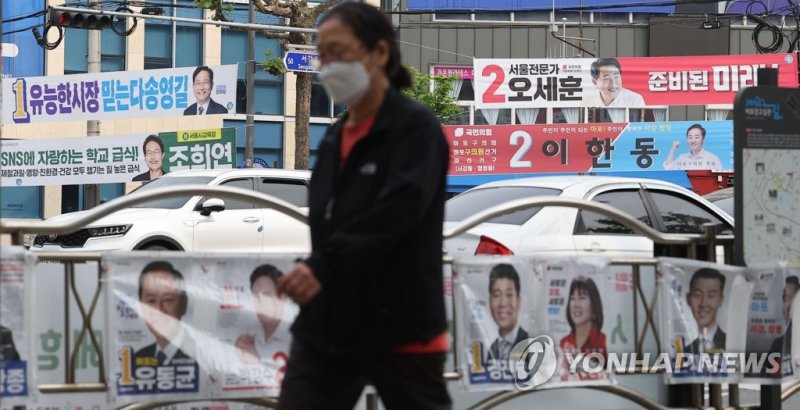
pixel 267 144
pixel 76 50
pixel 174 44
pixel 268 97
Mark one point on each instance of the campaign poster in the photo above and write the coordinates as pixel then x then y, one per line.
pixel 624 82
pixel 16 266
pixel 702 326
pixel 167 92
pixel 186 327
pixel 199 149
pixel 769 322
pixel 646 146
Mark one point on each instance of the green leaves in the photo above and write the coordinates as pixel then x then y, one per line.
pixel 273 64
pixel 439 100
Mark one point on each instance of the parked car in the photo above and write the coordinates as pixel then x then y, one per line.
pixel 723 199
pixel 562 231
pixel 188 223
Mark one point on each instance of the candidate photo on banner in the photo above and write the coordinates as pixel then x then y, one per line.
pixel 497 299
pixel 203 87
pixel 607 79
pixel 16 266
pixel 700 320
pixel 153 152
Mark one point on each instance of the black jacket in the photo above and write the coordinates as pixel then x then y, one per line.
pixel 376 234
pixel 213 108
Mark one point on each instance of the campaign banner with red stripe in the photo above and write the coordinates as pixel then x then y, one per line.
pixel 623 82
pixel 640 146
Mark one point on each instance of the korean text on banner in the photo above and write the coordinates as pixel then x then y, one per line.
pixel 126 94
pixel 650 146
pixel 199 149
pixel 16 266
pixel 183 327
pixel 632 82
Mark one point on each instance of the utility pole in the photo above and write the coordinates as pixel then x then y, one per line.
pixel 91 193
pixel 250 87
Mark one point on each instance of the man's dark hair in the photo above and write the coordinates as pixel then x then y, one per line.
pixel 152 137
pixel 699 127
pixel 203 68
pixel 370 26
pixel 708 273
pixel 504 271
pixel 586 285
pixel 164 266
pixel 268 271
pixel 604 62
pixel 792 280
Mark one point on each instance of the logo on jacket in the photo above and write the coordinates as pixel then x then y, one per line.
pixel 370 168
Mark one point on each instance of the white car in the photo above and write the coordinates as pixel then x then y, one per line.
pixel 561 231
pixel 182 223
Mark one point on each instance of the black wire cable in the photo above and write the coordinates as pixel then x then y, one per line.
pixel 26 16
pixel 777 35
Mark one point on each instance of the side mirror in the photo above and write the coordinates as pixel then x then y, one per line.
pixel 212 205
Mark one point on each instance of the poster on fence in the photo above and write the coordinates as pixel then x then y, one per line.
pixel 655 146
pixel 188 327
pixel 16 265
pixel 92 160
pixel 702 327
pixel 769 322
pixel 124 94
pixel 610 82
pixel 514 309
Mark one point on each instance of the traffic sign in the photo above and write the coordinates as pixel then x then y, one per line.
pixel 301 61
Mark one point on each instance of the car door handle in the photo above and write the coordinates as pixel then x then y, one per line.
pixel 594 247
pixel 251 219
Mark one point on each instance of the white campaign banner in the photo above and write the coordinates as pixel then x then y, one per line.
pixel 84 160
pixel 124 94
pixel 511 309
pixel 182 327
pixel 16 265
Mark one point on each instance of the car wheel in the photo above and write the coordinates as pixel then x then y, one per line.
pixel 157 247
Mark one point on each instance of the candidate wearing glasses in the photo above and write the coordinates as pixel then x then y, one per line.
pixel 203 83
pixel 153 150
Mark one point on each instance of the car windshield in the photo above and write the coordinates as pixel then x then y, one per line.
pixel 726 204
pixel 174 202
pixel 472 202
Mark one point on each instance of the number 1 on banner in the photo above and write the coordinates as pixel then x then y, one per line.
pixel 20 115
pixel 126 359
pixel 477 362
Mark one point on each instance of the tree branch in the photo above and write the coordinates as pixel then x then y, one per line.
pixel 275 36
pixel 272 7
pixel 317 11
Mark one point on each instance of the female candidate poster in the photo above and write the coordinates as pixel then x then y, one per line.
pixel 186 327
pixel 16 264
pixel 701 325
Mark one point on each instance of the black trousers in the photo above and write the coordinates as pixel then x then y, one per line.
pixel 317 380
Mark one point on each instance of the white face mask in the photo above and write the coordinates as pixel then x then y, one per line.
pixel 346 83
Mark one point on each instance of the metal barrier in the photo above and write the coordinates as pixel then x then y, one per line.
pixel 693 243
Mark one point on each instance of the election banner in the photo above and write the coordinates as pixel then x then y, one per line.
pixel 702 326
pixel 182 327
pixel 93 160
pixel 16 265
pixel 636 6
pixel 769 321
pixel 511 307
pixel 646 146
pixel 624 82
pixel 124 94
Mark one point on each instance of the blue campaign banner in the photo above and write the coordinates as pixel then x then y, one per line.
pixel 675 145
pixel 13 378
pixel 586 5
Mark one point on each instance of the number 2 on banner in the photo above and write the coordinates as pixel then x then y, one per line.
pixel 20 115
pixel 527 141
pixel 126 359
pixel 490 95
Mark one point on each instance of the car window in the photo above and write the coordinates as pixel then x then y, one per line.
pixel 628 201
pixel 246 183
pixel 683 215
pixel 292 191
pixel 472 202
pixel 169 203
pixel 726 204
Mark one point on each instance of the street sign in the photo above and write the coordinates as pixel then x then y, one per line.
pixel 301 61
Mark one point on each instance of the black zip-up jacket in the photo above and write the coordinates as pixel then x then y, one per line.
pixel 376 234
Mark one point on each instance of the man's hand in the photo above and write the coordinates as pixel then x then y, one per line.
pixel 300 284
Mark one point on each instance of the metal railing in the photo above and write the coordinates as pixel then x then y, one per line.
pixel 693 242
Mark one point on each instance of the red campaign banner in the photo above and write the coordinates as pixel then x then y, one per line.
pixel 701 79
pixel 522 149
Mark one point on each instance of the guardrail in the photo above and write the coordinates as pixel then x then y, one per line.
pixel 18 228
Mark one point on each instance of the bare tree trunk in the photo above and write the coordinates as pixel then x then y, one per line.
pixel 302 130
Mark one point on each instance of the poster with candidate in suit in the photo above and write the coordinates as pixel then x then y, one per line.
pixel 700 320
pixel 196 327
pixel 16 266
